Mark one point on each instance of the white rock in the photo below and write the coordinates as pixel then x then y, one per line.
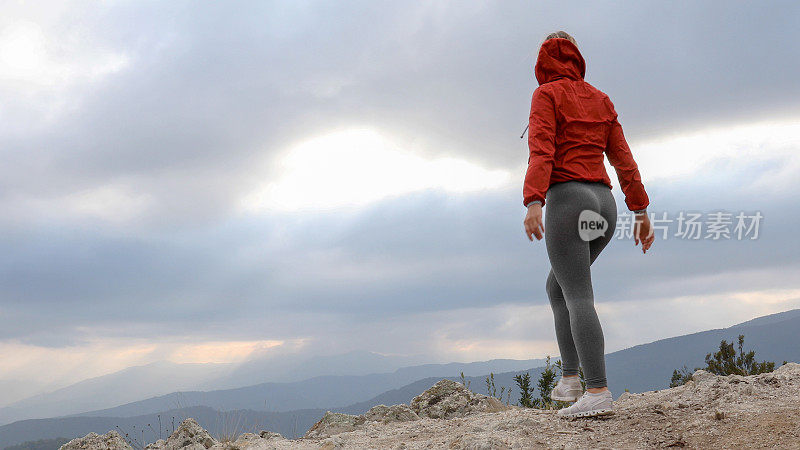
pixel 93 441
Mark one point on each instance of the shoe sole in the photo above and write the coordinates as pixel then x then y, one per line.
pixel 592 413
pixel 566 399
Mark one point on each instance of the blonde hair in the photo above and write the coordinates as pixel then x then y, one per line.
pixel 562 35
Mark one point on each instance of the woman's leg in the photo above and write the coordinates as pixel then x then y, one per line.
pixel 566 347
pixel 570 258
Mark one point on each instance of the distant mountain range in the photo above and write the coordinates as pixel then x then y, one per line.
pixel 163 377
pixel 167 385
pixel 316 392
pixel 290 408
pixel 124 386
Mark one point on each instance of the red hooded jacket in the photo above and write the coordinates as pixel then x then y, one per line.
pixel 572 124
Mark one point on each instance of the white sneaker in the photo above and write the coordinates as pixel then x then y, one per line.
pixel 590 405
pixel 567 391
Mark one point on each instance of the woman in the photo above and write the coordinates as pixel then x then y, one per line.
pixel 572 125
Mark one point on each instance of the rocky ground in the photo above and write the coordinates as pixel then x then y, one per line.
pixel 759 411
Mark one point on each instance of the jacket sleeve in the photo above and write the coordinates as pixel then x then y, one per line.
pixel 619 155
pixel 541 145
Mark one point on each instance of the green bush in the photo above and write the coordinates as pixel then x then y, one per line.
pixel 726 361
pixel 492 389
pixel 524 383
pixel 547 381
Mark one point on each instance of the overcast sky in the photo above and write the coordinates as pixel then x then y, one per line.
pixel 196 180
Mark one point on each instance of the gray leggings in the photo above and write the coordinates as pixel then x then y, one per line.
pixel 569 284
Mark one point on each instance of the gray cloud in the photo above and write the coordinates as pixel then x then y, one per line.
pixel 211 90
pixel 416 254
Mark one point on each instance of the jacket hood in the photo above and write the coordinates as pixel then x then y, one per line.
pixel 559 58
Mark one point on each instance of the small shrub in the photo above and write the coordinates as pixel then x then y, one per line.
pixel 726 361
pixel 492 389
pixel 464 380
pixel 524 383
pixel 546 383
pixel 681 376
pixel 229 425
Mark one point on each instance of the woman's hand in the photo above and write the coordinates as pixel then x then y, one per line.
pixel 533 222
pixel 643 231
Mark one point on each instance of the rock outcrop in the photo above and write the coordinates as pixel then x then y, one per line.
pixel 448 399
pixel 94 441
pixel 445 400
pixel 710 411
pixel 189 436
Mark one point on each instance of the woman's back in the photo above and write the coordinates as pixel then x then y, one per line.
pixel 583 123
pixel 572 124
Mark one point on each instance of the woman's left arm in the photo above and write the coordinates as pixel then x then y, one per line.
pixel 541 145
